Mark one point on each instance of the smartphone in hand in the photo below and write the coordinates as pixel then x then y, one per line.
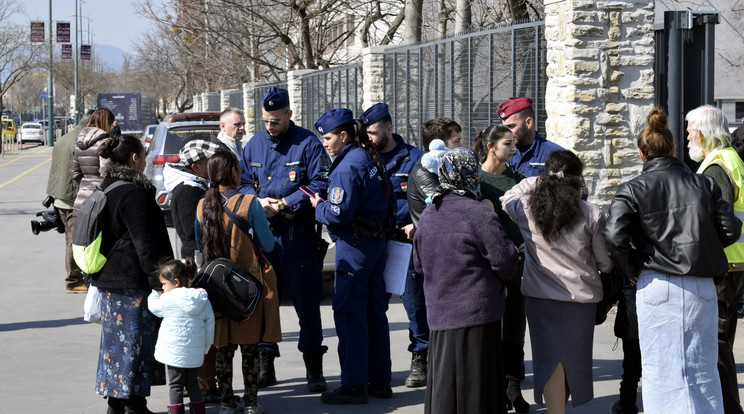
pixel 309 192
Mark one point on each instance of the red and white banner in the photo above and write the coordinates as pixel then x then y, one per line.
pixel 85 52
pixel 63 32
pixel 66 51
pixel 37 32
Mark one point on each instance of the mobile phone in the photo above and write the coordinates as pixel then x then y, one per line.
pixel 309 192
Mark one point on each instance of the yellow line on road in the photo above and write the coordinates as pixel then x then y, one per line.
pixel 26 172
pixel 19 158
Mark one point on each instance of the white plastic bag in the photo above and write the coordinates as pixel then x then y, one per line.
pixel 92 306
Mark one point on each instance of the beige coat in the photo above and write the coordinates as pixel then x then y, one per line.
pixel 264 324
pixel 568 268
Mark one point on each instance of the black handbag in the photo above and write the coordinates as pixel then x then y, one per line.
pixel 233 291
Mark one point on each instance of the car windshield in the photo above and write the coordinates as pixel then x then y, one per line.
pixel 27 126
pixel 178 137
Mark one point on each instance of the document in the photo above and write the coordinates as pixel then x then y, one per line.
pixel 396 267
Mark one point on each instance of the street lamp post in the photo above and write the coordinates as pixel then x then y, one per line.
pixel 50 88
pixel 77 55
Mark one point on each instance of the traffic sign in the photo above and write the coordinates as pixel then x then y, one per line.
pixel 43 94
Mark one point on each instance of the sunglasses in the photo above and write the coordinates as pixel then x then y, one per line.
pixel 272 121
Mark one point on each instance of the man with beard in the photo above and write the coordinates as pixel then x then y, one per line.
pixel 709 143
pixel 399 159
pixel 518 115
pixel 274 165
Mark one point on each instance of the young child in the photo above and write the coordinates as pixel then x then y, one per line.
pixel 186 333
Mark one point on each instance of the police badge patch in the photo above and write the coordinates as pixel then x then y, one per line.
pixel 336 209
pixel 336 195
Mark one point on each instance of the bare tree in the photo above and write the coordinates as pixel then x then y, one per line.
pixel 18 57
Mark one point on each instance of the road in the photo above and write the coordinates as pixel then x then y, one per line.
pixel 48 354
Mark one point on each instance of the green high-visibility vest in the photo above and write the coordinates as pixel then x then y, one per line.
pixel 729 160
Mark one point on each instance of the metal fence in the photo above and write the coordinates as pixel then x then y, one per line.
pixel 331 88
pixel 466 78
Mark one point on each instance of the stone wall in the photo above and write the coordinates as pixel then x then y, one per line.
pixel 600 88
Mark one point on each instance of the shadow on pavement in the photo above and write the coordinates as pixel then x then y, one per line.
pixel 58 323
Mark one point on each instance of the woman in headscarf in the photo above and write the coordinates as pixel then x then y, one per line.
pixel 464 291
pixel 564 252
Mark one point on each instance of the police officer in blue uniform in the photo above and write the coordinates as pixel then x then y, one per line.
pixel 518 115
pixel 359 207
pixel 399 159
pixel 276 162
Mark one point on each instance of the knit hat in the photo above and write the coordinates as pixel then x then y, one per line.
pixel 197 150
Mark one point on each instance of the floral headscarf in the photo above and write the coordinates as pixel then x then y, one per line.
pixel 458 174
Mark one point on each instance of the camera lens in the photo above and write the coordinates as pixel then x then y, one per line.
pixel 40 226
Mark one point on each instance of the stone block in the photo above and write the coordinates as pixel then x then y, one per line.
pixel 639 93
pixel 583 17
pixel 591 53
pixel 585 31
pixel 616 76
pixel 614 108
pixel 614 5
pixel 575 67
pixel 609 119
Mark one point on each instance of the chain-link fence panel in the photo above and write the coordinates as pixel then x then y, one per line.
pixel 466 78
pixel 331 88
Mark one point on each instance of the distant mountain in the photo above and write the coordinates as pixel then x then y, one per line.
pixel 112 56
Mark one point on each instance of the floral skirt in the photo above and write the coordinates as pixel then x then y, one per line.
pixel 128 335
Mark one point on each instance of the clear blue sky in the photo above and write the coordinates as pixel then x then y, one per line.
pixel 112 22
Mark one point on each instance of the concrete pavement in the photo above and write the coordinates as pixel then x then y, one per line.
pixel 48 354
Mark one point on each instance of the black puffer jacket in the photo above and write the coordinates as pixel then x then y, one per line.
pixel 421 184
pixel 86 163
pixel 136 223
pixel 675 220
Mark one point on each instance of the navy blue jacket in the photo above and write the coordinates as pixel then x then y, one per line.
pixel 399 162
pixel 278 169
pixel 355 188
pixel 531 163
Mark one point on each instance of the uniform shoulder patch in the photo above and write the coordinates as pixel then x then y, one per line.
pixel 336 195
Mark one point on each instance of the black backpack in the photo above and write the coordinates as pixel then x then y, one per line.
pixel 87 237
pixel 233 291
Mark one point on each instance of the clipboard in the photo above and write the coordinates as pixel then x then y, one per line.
pixel 396 267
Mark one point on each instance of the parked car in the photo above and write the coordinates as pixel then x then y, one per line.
pixel 9 132
pixel 147 135
pixel 192 116
pixel 31 131
pixel 167 140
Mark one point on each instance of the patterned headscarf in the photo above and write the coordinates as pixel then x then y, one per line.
pixel 458 174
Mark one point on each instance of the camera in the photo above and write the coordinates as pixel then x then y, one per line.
pixel 51 219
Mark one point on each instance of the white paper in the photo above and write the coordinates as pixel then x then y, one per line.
pixel 396 267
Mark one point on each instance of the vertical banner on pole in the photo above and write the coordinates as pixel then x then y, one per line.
pixel 84 52
pixel 66 51
pixel 63 32
pixel 37 32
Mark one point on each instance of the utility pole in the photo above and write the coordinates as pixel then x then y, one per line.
pixel 50 87
pixel 77 56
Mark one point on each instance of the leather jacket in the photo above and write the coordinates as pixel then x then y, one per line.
pixel 421 184
pixel 670 220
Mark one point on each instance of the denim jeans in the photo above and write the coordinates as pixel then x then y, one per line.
pixel 677 328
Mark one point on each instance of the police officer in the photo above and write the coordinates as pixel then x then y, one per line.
pixel 399 159
pixel 274 165
pixel 518 115
pixel 359 204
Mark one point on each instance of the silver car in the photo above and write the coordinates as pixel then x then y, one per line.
pixel 31 131
pixel 167 140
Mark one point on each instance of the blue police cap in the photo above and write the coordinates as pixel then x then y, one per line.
pixel 332 119
pixel 275 99
pixel 375 113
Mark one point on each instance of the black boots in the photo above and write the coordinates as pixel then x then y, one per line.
pixel 514 397
pixel 314 372
pixel 266 374
pixel 417 377
pixel 115 405
pixel 345 395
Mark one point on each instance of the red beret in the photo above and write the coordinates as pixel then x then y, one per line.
pixel 513 105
